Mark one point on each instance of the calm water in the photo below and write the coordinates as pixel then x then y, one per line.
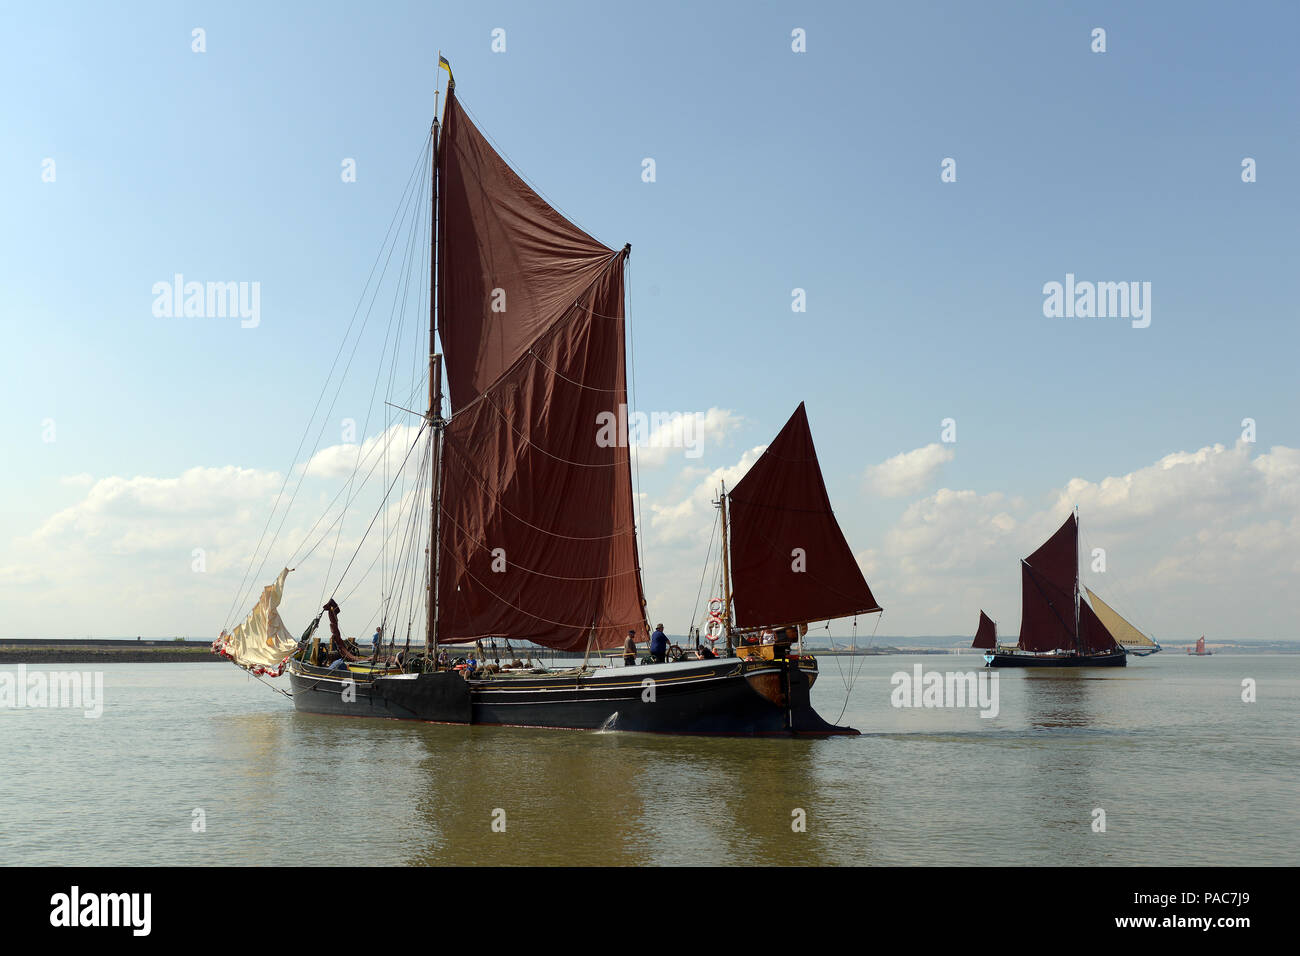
pixel 1186 772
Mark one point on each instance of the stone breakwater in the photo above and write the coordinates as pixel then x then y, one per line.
pixel 37 651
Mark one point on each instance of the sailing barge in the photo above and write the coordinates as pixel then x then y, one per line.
pixel 1057 627
pixel 1126 635
pixel 531 517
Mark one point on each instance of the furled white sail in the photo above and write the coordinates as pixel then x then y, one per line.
pixel 1123 632
pixel 262 644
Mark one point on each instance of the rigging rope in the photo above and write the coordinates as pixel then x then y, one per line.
pixel 572 381
pixel 372 520
pixel 341 516
pixel 414 501
pixel 406 259
pixel 708 554
pixel 240 594
pixel 854 674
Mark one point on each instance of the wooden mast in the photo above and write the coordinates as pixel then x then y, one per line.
pixel 726 572
pixel 434 416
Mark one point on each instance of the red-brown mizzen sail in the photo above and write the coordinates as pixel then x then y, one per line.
pixel 1047 592
pixel 790 563
pixel 986 635
pixel 537 536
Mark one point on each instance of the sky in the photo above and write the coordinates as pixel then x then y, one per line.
pixel 922 172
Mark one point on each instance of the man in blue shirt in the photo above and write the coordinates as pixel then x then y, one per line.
pixel 377 640
pixel 658 644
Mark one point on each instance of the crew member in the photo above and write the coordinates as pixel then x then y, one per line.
pixel 629 649
pixel 658 644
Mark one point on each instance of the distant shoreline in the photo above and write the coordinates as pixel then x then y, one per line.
pixel 105 651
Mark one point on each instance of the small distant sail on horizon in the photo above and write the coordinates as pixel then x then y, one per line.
pixel 1200 649
pixel 262 644
pixel 986 636
pixel 1128 636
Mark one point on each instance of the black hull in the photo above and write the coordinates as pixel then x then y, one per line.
pixel 722 697
pixel 1110 659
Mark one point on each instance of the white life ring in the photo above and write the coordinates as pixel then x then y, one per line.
pixel 715 607
pixel 713 631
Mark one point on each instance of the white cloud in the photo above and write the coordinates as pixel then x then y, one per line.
pixel 339 461
pixel 690 517
pixel 165 556
pixel 909 472
pixel 1201 541
pixel 680 536
pixel 680 435
pixel 130 515
pixel 1204 541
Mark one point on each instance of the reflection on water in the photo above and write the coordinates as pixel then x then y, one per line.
pixel 1057 793
pixel 1058 698
pixel 614 798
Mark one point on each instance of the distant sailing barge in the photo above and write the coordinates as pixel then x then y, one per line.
pixel 1200 650
pixel 1057 627
pixel 517 469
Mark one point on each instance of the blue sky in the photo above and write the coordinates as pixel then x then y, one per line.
pixel 775 170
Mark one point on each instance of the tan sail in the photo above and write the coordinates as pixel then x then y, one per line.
pixel 262 644
pixel 1124 632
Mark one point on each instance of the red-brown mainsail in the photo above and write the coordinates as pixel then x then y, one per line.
pixel 1047 582
pixel 790 563
pixel 538 539
pixel 510 267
